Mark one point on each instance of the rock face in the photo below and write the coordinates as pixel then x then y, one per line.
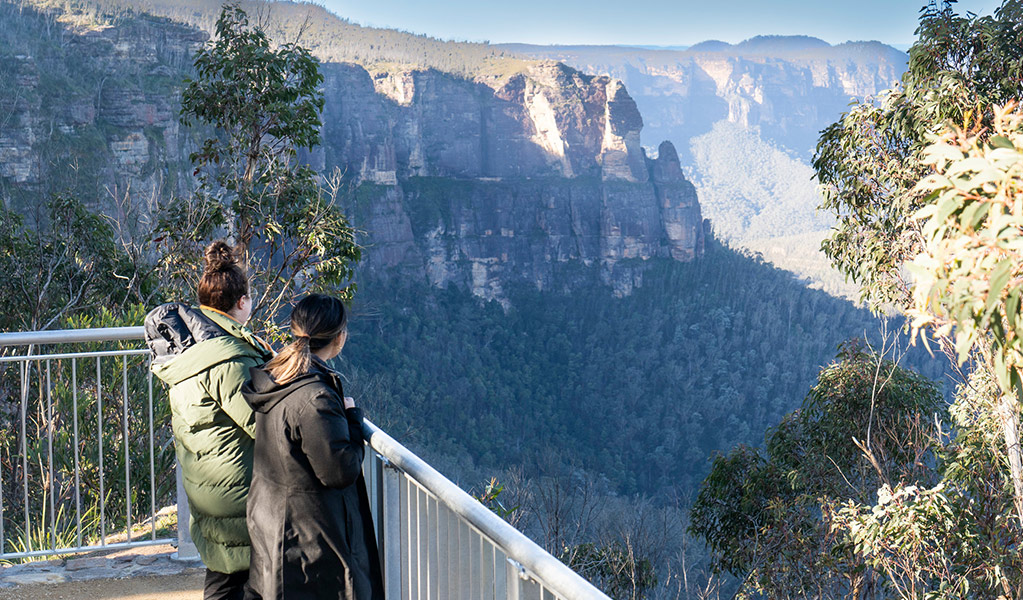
pixel 789 88
pixel 550 121
pixel 481 234
pixel 93 113
pixel 477 182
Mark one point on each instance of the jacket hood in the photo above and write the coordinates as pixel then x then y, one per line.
pixel 263 392
pixel 234 341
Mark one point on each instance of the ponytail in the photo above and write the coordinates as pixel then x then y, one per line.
pixel 294 360
pixel 316 321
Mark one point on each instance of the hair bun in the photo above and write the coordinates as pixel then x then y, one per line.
pixel 220 256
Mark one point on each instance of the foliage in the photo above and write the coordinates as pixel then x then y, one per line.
pixel 732 502
pixel 957 232
pixel 869 162
pixel 956 539
pixel 598 375
pixel 65 263
pixel 750 189
pixel 969 274
pixel 614 568
pixel 61 533
pixel 766 516
pixel 489 497
pixel 264 102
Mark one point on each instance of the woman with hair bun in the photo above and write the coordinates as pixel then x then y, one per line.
pixel 309 517
pixel 204 356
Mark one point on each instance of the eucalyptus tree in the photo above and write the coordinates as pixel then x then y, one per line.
pixel 926 187
pixel 869 161
pixel 767 516
pixel 258 103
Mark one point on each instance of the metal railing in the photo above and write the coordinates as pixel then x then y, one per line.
pixel 82 444
pixel 436 542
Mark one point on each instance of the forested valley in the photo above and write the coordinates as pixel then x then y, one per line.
pixel 641 390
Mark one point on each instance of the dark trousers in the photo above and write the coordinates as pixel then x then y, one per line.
pixel 225 586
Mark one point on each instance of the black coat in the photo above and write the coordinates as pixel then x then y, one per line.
pixel 308 511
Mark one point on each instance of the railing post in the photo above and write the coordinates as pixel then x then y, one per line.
pixel 391 523
pixel 513 572
pixel 186 549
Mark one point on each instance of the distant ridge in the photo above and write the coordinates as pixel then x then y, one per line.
pixel 710 46
pixel 775 44
pixel 790 47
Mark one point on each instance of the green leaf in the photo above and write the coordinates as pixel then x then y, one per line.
pixel 948 204
pixel 974 214
pixel 999 277
pixel 1000 141
pixel 1012 307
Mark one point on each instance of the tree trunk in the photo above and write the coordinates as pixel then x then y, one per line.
pixel 1009 415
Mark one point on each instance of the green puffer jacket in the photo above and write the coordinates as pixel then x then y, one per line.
pixel 213 432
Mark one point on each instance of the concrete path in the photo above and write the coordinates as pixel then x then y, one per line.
pixel 147 573
pixel 148 587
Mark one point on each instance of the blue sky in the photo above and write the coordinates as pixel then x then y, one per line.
pixel 648 22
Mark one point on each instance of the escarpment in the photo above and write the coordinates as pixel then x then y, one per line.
pixel 477 181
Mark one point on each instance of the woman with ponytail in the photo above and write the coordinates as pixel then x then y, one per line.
pixel 308 513
pixel 204 355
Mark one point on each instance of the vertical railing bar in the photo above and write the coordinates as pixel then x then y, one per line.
pixel 475 566
pixel 24 450
pixel 367 477
pixel 423 523
pixel 152 459
pixel 99 434
pixel 512 578
pixel 424 544
pixel 500 574
pixel 433 531
pixel 413 539
pixel 49 452
pixel 78 476
pixel 3 537
pixel 391 548
pixel 443 551
pixel 406 537
pixel 487 560
pixel 465 536
pixel 378 475
pixel 418 525
pixel 127 449
pixel 454 550
pixel 530 589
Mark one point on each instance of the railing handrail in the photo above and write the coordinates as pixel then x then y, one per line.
pixel 70 336
pixel 555 575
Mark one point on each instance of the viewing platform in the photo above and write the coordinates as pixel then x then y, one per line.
pixel 89 459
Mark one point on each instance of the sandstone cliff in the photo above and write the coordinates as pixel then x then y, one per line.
pixel 476 181
pixel 482 182
pixel 789 88
pixel 90 112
